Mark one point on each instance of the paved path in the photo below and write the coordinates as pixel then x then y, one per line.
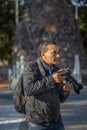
pixel 10 119
pixel 74 114
pixel 74 111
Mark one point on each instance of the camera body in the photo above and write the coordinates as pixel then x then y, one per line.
pixel 77 86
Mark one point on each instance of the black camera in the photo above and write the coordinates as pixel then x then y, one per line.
pixel 77 86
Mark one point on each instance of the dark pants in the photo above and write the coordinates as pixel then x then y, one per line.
pixel 58 126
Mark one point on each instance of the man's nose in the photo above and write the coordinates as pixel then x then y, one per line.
pixel 57 55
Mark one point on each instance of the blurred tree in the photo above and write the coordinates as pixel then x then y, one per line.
pixel 82 17
pixel 7 27
pixel 7 24
pixel 49 20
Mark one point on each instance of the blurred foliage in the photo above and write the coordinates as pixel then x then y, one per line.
pixel 83 24
pixel 7 27
pixel 82 17
pixel 7 24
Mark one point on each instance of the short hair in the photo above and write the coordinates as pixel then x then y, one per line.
pixel 43 45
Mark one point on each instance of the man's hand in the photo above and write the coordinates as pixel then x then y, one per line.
pixel 58 76
pixel 68 86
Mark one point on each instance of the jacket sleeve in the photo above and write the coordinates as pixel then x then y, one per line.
pixel 33 86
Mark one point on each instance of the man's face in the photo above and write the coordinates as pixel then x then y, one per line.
pixel 51 56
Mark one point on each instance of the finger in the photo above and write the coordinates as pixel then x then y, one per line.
pixel 65 88
pixel 62 78
pixel 69 86
pixel 62 72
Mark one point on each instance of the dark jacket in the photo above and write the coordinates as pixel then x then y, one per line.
pixel 44 95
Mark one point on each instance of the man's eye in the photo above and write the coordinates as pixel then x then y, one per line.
pixel 55 53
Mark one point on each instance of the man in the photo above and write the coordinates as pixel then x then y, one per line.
pixel 43 85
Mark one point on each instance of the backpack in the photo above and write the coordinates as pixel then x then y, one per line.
pixel 19 98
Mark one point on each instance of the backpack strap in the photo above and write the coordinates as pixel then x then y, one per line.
pixel 22 88
pixel 41 68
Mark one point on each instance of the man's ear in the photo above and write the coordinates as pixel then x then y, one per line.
pixel 42 54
